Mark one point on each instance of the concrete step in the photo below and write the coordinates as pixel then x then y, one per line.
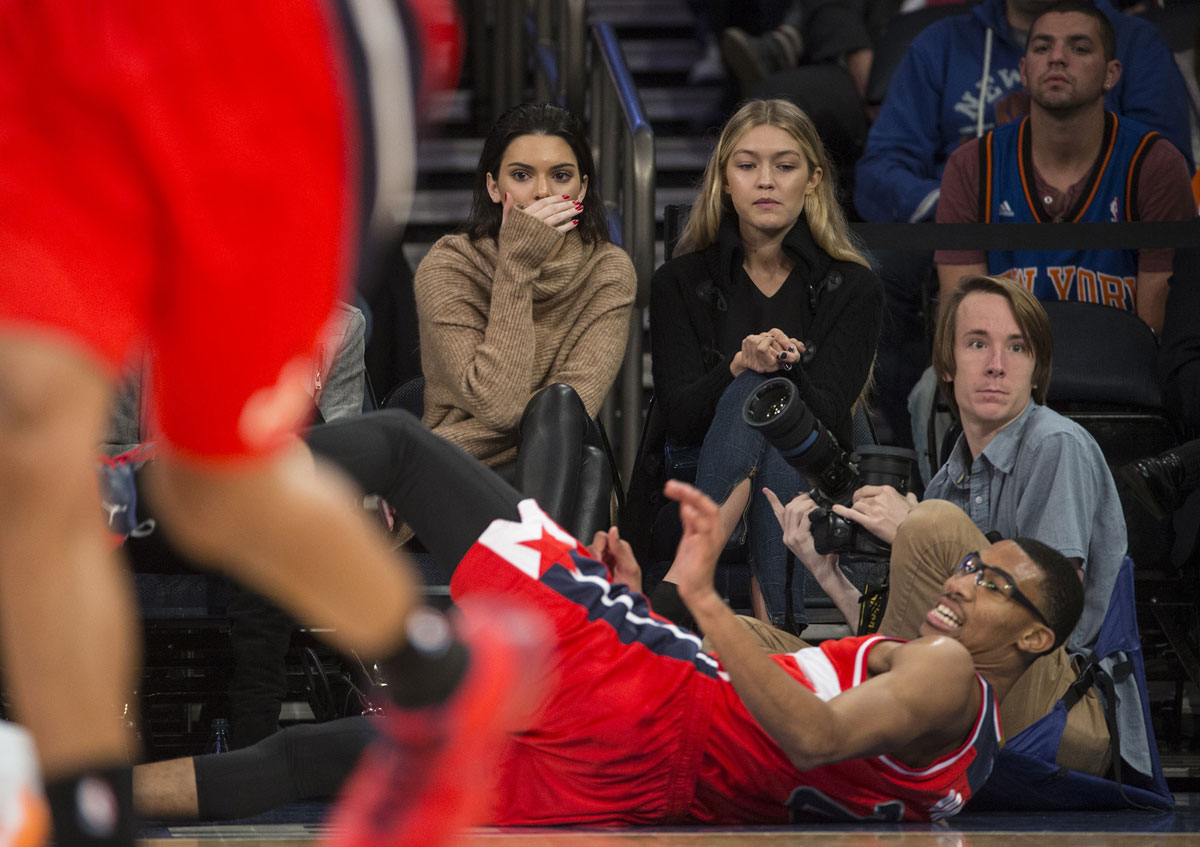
pixel 448 155
pixel 682 152
pixel 640 14
pixel 450 110
pixel 682 110
pixel 459 155
pixel 660 56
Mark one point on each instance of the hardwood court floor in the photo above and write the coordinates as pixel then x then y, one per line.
pixel 993 829
pixel 705 838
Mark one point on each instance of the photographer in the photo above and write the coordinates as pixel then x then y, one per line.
pixel 1018 469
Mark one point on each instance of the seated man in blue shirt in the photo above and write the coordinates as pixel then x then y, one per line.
pixel 1018 469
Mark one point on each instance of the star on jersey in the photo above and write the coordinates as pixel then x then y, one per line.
pixel 552 550
pixel 533 544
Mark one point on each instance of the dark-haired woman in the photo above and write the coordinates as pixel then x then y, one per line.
pixel 524 317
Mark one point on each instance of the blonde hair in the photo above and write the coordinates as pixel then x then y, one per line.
pixel 826 221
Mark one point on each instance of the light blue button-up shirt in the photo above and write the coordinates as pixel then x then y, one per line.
pixel 1043 476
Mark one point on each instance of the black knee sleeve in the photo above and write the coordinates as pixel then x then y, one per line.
pixel 301 762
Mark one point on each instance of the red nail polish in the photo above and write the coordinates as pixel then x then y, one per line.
pixel 566 196
pixel 575 222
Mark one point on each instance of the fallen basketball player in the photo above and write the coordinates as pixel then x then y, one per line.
pixel 641 726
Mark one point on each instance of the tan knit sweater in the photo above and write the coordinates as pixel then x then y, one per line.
pixel 499 322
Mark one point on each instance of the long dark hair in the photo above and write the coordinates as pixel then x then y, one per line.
pixel 535 119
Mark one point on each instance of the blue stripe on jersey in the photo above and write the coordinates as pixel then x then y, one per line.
pixel 627 612
pixel 987 744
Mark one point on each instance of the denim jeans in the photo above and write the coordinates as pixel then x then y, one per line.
pixel 734 451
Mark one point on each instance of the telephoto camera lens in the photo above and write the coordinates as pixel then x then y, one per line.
pixel 785 420
pixel 882 465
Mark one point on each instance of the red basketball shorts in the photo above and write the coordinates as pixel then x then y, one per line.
pixel 179 177
pixel 622 734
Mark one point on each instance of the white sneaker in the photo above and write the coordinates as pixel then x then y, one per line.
pixel 24 815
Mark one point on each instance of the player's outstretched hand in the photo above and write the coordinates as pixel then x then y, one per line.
pixel 617 555
pixel 702 541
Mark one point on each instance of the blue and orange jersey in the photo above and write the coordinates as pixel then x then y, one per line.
pixel 1008 194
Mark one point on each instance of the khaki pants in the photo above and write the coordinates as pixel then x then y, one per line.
pixel 931 542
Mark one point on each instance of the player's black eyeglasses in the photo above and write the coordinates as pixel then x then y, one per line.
pixel 1000 582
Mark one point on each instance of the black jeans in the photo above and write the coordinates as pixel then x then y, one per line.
pixel 447 497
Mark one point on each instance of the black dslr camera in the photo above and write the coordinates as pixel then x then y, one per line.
pixel 789 425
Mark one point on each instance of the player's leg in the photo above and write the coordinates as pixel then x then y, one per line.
pixel 258 183
pixel 302 515
pixel 302 762
pixel 66 613
pixel 929 545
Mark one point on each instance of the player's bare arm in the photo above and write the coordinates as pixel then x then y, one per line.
pixel 917 705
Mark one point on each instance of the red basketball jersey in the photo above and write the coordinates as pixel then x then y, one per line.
pixel 642 726
pixel 745 776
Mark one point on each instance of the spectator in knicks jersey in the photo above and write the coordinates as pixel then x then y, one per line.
pixel 959 79
pixel 1070 159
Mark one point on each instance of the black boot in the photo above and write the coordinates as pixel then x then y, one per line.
pixel 1161 483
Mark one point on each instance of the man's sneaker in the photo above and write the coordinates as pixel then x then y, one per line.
pixel 432 771
pixel 753 59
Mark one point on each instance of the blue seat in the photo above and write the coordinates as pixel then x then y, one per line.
pixel 1026 777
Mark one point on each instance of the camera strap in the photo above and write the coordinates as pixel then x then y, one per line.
pixel 871 606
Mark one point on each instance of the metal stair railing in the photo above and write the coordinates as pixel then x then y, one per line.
pixel 623 142
pixel 554 32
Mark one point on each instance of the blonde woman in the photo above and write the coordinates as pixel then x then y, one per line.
pixel 767 281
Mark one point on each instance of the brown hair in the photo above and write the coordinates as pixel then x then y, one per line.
pixel 826 220
pixel 1030 317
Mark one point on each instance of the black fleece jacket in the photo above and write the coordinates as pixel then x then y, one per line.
pixel 689 311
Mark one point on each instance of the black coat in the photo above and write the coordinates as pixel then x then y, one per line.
pixel 689 298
